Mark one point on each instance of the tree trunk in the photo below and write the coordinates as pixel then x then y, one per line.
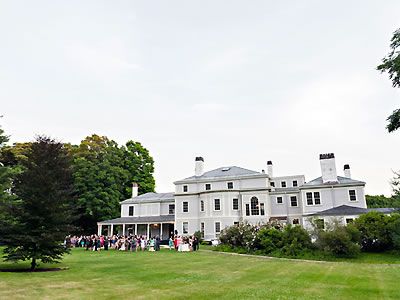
pixel 33 264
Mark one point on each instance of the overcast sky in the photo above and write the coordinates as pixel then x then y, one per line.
pixel 237 82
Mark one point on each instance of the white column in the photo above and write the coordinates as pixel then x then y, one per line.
pixel 161 231
pixel 112 230
pixel 135 229
pixel 123 229
pixel 148 231
pixel 99 229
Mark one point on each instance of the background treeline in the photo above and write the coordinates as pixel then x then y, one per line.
pixel 371 232
pixel 102 172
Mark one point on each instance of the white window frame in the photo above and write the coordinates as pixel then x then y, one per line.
pixel 233 208
pixel 202 206
pixel 187 188
pixel 227 185
pixel 313 198
pixel 220 206
pixel 133 210
pixel 297 201
pixel 183 227
pixel 277 200
pixel 215 228
pixel 205 187
pixel 355 195
pixel 283 182
pixel 183 207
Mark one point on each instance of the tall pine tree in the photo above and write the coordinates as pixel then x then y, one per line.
pixel 37 223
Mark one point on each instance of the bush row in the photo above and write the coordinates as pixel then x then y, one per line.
pixel 370 232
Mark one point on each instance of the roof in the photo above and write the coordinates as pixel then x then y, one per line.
pixel 346 210
pixel 150 197
pixel 342 210
pixel 133 220
pixel 341 180
pixel 232 171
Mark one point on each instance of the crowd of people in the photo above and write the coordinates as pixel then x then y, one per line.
pixel 131 243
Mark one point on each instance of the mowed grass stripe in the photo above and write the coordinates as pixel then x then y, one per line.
pixel 201 275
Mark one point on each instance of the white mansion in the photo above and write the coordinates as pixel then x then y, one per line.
pixel 210 201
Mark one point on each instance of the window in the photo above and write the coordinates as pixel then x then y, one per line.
pixel 320 223
pixel 293 201
pixel 185 188
pixel 279 200
pixel 294 183
pixel 313 201
pixel 309 198
pixel 230 185
pixel 202 229
pixel 130 211
pixel 348 221
pixel 236 223
pixel 185 206
pixel 295 222
pixel 247 209
pixel 201 205
pixel 272 184
pixel 217 204
pixel 185 227
pixel 235 204
pixel 255 210
pixel 171 209
pixel 352 194
pixel 262 211
pixel 217 227
pixel 317 198
pixel 283 184
pixel 208 186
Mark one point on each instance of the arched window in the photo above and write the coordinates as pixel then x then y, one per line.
pixel 255 208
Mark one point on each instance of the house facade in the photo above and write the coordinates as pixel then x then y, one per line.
pixel 210 201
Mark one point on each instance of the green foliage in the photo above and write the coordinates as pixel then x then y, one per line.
pixel 394 230
pixel 295 239
pixel 242 235
pixel 270 239
pixel 375 232
pixel 391 65
pixel 103 176
pixel 382 201
pixel 39 216
pixel 339 240
pixel 197 234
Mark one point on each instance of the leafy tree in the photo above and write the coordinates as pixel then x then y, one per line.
pixel 375 231
pixel 295 239
pixel 391 65
pixel 38 221
pixel 382 201
pixel 396 187
pixel 103 176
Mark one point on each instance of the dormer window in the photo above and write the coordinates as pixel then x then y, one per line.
pixel 294 183
pixel 185 188
pixel 230 185
pixel 208 186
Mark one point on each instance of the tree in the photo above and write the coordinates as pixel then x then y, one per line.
pixel 39 218
pixel 382 201
pixel 391 65
pixel 103 176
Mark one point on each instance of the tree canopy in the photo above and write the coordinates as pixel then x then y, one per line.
pixel 391 65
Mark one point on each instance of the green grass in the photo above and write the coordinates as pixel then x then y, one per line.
pixel 202 275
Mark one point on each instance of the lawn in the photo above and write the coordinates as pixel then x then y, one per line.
pixel 201 275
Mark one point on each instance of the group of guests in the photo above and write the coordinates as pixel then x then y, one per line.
pixel 131 243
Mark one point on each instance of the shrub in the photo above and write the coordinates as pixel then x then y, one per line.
pixel 295 240
pixel 394 229
pixel 269 239
pixel 242 235
pixel 375 231
pixel 197 234
pixel 339 240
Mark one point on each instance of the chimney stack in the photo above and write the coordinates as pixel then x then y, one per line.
pixel 199 167
pixel 346 170
pixel 135 189
pixel 270 169
pixel 328 168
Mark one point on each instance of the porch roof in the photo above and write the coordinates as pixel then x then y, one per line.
pixel 133 220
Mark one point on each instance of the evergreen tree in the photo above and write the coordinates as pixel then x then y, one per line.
pixel 38 221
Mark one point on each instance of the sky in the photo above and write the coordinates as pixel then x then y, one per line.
pixel 237 82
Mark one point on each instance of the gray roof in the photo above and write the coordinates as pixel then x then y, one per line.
pixel 346 210
pixel 150 197
pixel 133 220
pixel 341 180
pixel 232 171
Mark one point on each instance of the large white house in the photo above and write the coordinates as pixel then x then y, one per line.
pixel 210 201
